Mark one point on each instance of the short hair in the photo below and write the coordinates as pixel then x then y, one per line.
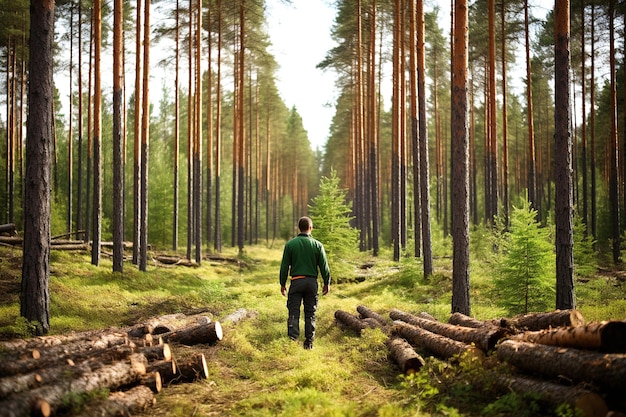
pixel 305 223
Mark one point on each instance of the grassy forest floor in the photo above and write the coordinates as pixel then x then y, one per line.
pixel 256 370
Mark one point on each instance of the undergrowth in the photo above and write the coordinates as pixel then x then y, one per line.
pixel 257 371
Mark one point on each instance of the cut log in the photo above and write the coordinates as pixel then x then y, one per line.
pixel 608 336
pixel 441 346
pixel 151 380
pixel 56 357
pixel 210 333
pixel 350 321
pixel 404 355
pixel 7 228
pixel 540 321
pixel 157 353
pixel 485 338
pixel 461 319
pixel 368 313
pixel 192 368
pixel 426 316
pixel 173 260
pixel 607 371
pixel 122 403
pixel 238 315
pixel 165 369
pixel 53 396
pixel 584 401
pixel 166 324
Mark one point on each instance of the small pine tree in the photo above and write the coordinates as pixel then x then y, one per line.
pixel 525 281
pixel 330 213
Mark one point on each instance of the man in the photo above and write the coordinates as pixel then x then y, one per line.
pixel 303 257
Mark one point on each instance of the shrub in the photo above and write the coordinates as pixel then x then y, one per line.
pixel 524 282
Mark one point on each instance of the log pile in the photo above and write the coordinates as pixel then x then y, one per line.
pixel 553 355
pixel 39 375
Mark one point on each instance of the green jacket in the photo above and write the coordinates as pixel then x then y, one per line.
pixel 303 255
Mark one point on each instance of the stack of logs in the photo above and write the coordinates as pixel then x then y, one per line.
pixel 554 355
pixel 38 376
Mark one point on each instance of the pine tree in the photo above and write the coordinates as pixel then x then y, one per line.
pixel 524 282
pixel 331 218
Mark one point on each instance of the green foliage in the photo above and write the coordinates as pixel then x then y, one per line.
pixel 331 218
pixel 524 282
pixel 585 258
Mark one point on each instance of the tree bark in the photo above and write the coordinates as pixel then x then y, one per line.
pixel 109 376
pixel 35 295
pixel 348 320
pixel 7 228
pixel 460 162
pixel 539 321
pixel 485 338
pixel 404 355
pixel 607 336
pixel 563 167
pixel 583 400
pixel 123 403
pixel 439 345
pixel 607 371
pixel 466 321
pixel 368 313
pixel 118 139
pixel 209 333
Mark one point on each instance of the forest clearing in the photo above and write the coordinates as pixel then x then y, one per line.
pixel 255 370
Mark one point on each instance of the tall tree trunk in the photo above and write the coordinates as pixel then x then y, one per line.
pixel 96 225
pixel 70 139
pixel 614 180
pixel 460 162
pixel 584 150
pixel 137 136
pixel 118 140
pixel 492 153
pixel 218 132
pixel 197 149
pixel 532 182
pixel 592 122
pixel 563 205
pixel 35 294
pixel 241 131
pixel 415 132
pixel 395 136
pixel 79 203
pixel 209 116
pixel 145 141
pixel 505 127
pixel 176 128
pixel 373 135
pixel 427 253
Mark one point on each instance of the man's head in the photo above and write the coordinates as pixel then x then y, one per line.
pixel 305 224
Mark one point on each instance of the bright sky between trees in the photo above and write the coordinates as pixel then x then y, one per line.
pixel 300 36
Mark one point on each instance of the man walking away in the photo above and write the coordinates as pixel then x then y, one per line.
pixel 303 257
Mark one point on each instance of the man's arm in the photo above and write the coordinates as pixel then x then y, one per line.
pixel 284 271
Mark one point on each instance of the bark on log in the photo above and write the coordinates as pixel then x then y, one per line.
pixel 52 396
pixel 157 353
pixel 192 368
pixel 165 369
pixel 122 403
pixel 210 333
pixel 404 355
pixel 441 346
pixel 238 315
pixel 62 355
pixel 7 228
pixel 540 321
pixel 461 319
pixel 166 324
pixel 151 380
pixel 607 371
pixel 587 402
pixel 368 313
pixel 485 338
pixel 172 260
pixel 351 322
pixel 608 336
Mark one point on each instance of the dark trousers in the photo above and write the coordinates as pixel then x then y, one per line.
pixel 302 290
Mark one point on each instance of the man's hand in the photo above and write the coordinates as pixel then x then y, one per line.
pixel 325 289
pixel 283 290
